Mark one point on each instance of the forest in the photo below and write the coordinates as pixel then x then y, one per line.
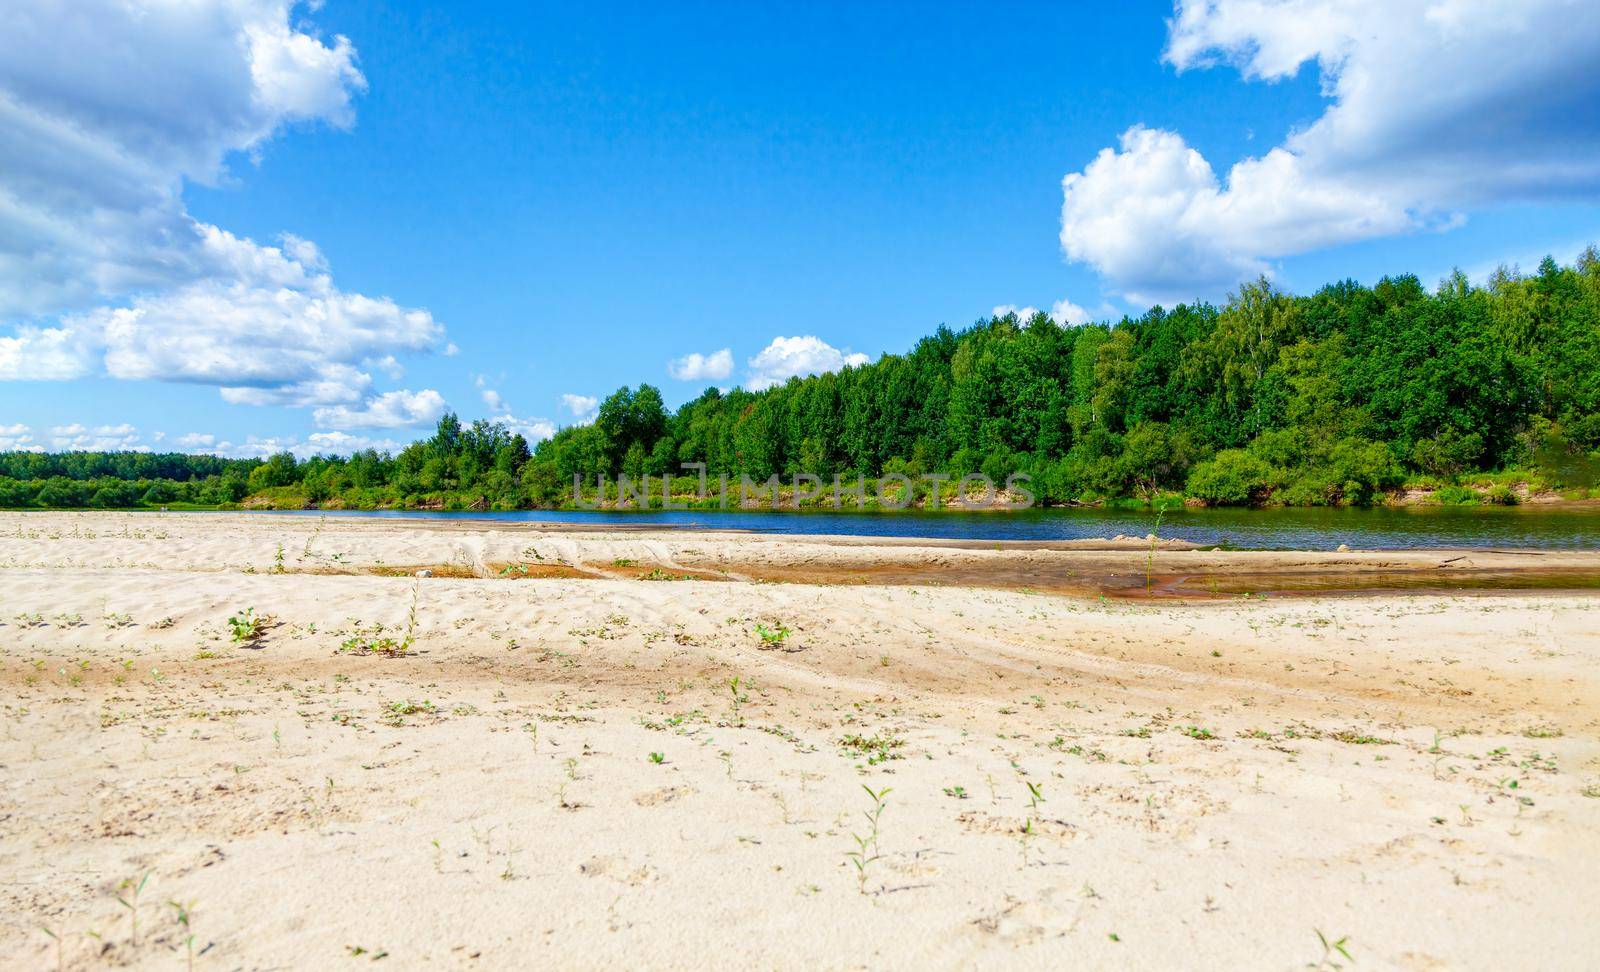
pixel 1344 397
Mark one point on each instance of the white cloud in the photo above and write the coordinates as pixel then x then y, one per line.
pixel 1068 314
pixel 1024 314
pixel 341 443
pixel 106 109
pixel 334 384
pixel 317 443
pixel 1436 106
pixel 532 429
pixel 18 438
pixel 390 410
pixel 788 357
pixel 1063 312
pixel 579 405
pixel 702 367
pixel 102 438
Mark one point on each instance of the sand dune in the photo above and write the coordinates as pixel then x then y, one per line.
pixel 456 771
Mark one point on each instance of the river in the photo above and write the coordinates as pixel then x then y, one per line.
pixel 1553 527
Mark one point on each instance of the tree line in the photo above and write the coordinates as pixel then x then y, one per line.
pixel 1332 398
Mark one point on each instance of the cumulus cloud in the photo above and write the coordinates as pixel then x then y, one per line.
pixel 317 443
pixel 789 357
pixel 18 438
pixel 532 429
pixel 1063 312
pixel 695 366
pixel 1068 314
pixel 579 405
pixel 1022 313
pixel 1435 107
pixel 101 438
pixel 107 108
pixel 390 410
pixel 491 397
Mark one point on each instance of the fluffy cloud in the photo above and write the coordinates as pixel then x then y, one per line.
pixel 579 405
pixel 101 438
pixel 18 438
pixel 1068 314
pixel 789 357
pixel 702 367
pixel 390 410
pixel 1022 313
pixel 107 108
pixel 491 397
pixel 317 443
pixel 532 429
pixel 1063 312
pixel 1436 106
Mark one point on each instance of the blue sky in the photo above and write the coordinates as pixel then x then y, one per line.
pixel 568 198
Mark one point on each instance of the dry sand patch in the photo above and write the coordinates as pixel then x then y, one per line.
pixel 1213 782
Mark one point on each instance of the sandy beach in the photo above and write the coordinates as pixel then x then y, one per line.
pixel 591 748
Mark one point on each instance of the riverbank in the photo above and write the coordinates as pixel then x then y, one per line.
pixel 587 747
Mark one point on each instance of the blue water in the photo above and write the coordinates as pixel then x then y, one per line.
pixel 1545 528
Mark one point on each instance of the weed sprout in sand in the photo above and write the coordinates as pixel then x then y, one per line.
pixel 866 852
pixel 247 626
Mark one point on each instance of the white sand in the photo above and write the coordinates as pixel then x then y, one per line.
pixel 519 822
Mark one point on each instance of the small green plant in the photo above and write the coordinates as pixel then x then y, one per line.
pixel 395 712
pixel 658 758
pixel 58 938
pixel 1195 732
pixel 183 914
pixel 1035 796
pixel 959 792
pixel 246 626
pixel 1353 738
pixel 866 852
pixel 877 749
pixel 371 640
pixel 1330 949
pixel 305 552
pixel 128 896
pixel 277 561
pixel 775 635
pixel 1150 558
pixel 738 700
pixel 411 619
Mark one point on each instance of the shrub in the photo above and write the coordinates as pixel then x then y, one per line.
pixel 1502 495
pixel 1233 478
pixel 1456 496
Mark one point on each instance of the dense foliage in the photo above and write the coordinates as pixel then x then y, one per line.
pixel 1322 399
